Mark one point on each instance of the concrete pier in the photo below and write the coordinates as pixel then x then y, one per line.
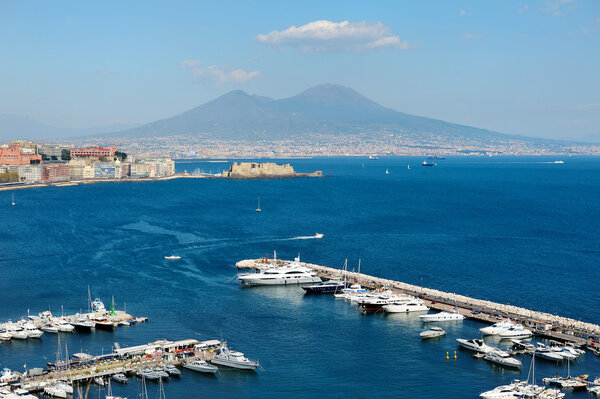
pixel 543 324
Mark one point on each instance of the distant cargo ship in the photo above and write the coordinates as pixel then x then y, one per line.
pixel 425 163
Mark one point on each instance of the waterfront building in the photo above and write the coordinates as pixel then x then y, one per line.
pixel 142 169
pixel 125 170
pixel 30 174
pixel 13 155
pixel 51 151
pixel 56 173
pixel 95 152
pixel 104 170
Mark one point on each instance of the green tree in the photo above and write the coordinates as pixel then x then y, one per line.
pixel 65 155
pixel 120 155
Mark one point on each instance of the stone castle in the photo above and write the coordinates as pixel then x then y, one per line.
pixel 253 170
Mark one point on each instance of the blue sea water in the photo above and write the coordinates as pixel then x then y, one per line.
pixel 518 230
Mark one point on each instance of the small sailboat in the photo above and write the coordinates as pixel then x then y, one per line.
pixel 258 207
pixel 408 166
pixel 387 171
pixel 13 199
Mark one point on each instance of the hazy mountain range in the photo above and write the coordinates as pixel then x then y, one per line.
pixel 324 109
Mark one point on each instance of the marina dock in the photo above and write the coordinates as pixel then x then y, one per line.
pixel 543 324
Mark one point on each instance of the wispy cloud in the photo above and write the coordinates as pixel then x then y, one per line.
pixel 462 13
pixel 558 7
pixel 328 36
pixel 523 8
pixel 470 36
pixel 218 75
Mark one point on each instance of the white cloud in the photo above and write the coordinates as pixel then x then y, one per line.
pixel 558 7
pixel 523 8
pixel 217 74
pixel 462 13
pixel 328 36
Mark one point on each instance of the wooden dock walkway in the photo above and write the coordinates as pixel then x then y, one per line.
pixel 562 328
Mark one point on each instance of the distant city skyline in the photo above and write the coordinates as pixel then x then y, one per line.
pixel 517 67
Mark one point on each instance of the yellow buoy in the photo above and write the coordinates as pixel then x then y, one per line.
pixel 447 356
pixel 454 355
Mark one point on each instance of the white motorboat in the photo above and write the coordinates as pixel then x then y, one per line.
pixel 476 345
pixel 55 392
pixel 503 359
pixel 285 275
pixel 65 386
pixel 172 370
pixel 63 326
pixel 433 332
pixel 498 328
pixel 414 305
pixel 202 366
pixel 233 359
pixel 99 381
pixel 543 352
pixel 318 235
pixel 594 390
pixel 442 316
pixel 172 257
pixel 516 332
pixel 523 345
pixel 5 335
pixel 31 331
pixel 120 377
pixel 50 328
pixel 98 305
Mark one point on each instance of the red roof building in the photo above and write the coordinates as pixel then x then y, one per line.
pixel 95 152
pixel 12 156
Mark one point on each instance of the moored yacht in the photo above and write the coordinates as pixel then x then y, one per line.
pixel 476 345
pixel 284 275
pixel 201 366
pixel 325 287
pixel 233 359
pixel 497 328
pixel 502 358
pixel 516 332
pixel 413 305
pixel 83 324
pixel 442 316
pixel 433 332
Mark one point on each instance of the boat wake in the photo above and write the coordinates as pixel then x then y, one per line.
pixel 303 238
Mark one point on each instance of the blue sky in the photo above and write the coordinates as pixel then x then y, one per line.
pixel 521 67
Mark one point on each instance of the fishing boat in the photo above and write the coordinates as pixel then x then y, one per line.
pixel 172 257
pixel 433 332
pixel 258 206
pixel 201 366
pixel 233 359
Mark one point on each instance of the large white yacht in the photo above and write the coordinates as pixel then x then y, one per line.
pixel 284 275
pixel 442 316
pixel 516 332
pixel 476 345
pixel 498 328
pixel 202 366
pixel 233 359
pixel 413 305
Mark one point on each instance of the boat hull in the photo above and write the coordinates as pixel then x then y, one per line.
pixel 279 281
pixel 227 363
pixel 202 369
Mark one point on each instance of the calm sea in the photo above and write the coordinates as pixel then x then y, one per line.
pixel 520 230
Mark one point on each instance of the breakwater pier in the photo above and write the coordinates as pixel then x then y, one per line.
pixel 542 324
